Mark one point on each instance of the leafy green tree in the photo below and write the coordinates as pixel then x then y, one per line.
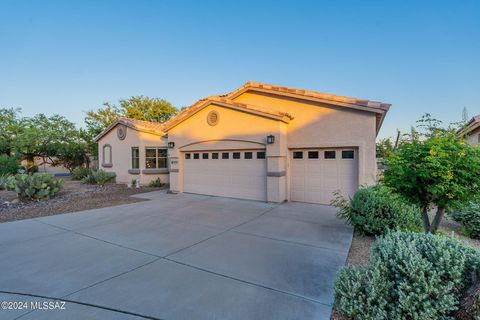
pixel 136 107
pixel 148 109
pixel 10 124
pixel 385 147
pixel 434 169
pixel 55 139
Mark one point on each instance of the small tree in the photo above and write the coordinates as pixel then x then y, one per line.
pixel 434 169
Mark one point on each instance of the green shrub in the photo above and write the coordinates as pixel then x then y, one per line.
pixel 80 173
pixel 376 210
pixel 3 181
pixel 468 215
pixel 89 179
pixel 157 183
pixel 409 276
pixel 8 165
pixel 35 187
pixel 102 177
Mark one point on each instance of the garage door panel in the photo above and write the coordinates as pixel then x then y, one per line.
pixel 236 178
pixel 315 180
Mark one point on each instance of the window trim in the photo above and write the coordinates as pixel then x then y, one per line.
pixel 205 154
pixel 215 154
pixel 227 155
pixel 308 155
pixel 196 156
pixel 157 157
pixel 132 158
pixel 264 155
pixel 188 156
pixel 348 150
pixel 236 153
pixel 335 153
pixel 245 155
pixel 293 155
pixel 110 162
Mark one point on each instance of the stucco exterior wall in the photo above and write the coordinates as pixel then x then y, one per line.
pixel 313 126
pixel 473 137
pixel 317 125
pixel 122 155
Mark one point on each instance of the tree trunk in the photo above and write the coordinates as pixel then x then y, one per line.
pixel 436 221
pixel 426 220
pixel 469 303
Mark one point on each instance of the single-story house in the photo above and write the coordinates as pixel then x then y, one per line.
pixel 471 131
pixel 259 142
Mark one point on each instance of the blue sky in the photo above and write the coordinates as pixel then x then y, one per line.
pixel 68 57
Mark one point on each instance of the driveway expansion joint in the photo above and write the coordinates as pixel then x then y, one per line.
pixel 77 302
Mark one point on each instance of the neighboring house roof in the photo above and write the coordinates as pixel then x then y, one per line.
pixel 227 103
pixel 379 108
pixel 473 124
pixel 155 128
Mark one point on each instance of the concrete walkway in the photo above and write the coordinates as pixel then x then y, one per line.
pixel 175 257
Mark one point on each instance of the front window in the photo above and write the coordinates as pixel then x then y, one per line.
pixel 135 158
pixel 155 158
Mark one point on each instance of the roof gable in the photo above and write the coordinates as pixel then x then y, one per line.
pixel 155 128
pixel 379 108
pixel 473 124
pixel 230 104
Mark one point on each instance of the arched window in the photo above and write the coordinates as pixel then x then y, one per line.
pixel 107 155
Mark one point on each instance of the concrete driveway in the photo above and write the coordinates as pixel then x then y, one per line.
pixel 175 257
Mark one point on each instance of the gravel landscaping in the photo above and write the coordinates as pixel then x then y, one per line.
pixel 74 196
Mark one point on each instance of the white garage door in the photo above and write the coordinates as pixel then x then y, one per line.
pixel 236 174
pixel 317 173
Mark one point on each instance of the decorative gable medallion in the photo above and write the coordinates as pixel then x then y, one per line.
pixel 212 118
pixel 121 131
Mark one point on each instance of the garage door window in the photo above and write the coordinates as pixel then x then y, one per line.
pixel 204 155
pixel 330 154
pixel 188 155
pixel 298 155
pixel 196 156
pixel 215 155
pixel 348 154
pixel 225 155
pixel 312 154
pixel 236 155
pixel 248 155
pixel 155 158
pixel 261 155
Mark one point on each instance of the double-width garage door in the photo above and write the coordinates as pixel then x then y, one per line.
pixel 237 174
pixel 317 173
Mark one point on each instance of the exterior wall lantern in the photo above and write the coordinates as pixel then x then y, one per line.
pixel 270 139
pixel 171 145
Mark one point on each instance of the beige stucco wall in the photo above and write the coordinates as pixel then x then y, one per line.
pixel 317 125
pixel 473 137
pixel 314 125
pixel 122 158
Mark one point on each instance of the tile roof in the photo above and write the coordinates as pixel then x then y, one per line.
pixel 139 125
pixel 308 95
pixel 473 124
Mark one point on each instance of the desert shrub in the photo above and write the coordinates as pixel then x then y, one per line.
pixel 100 177
pixel 157 183
pixel 79 173
pixel 35 187
pixel 409 276
pixel 8 165
pixel 468 215
pixel 3 181
pixel 89 179
pixel 376 210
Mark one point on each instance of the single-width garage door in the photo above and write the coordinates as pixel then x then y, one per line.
pixel 237 174
pixel 317 173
